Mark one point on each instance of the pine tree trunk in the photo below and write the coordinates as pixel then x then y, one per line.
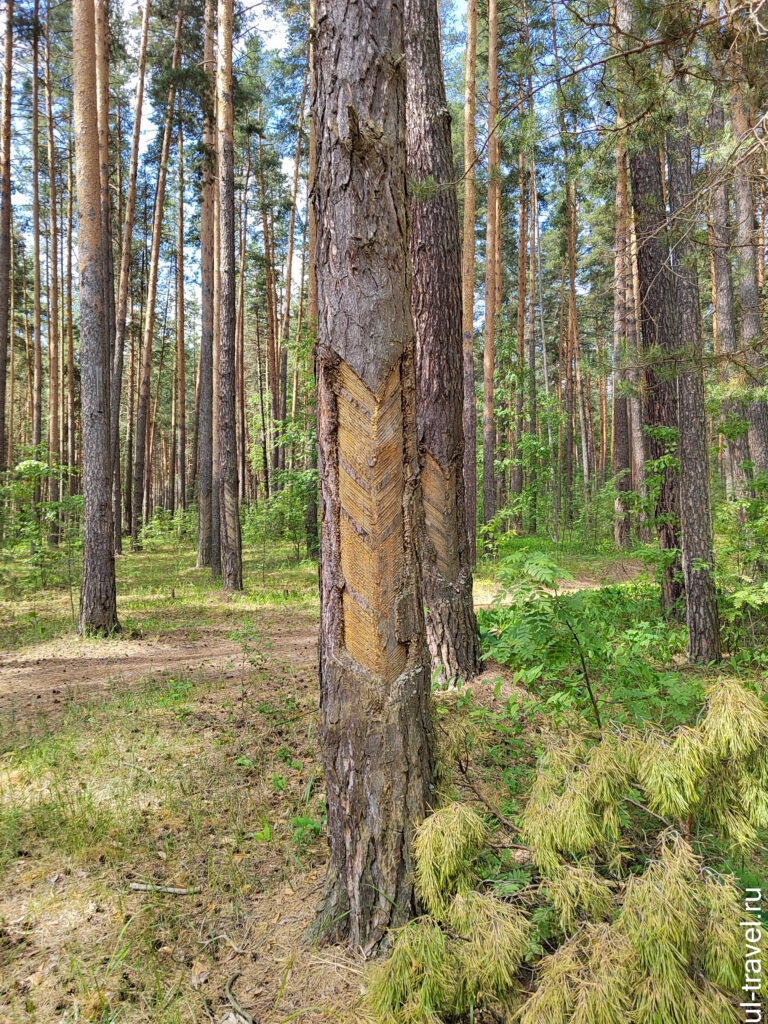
pixel 37 385
pixel 374 681
pixel 436 307
pixel 102 114
pixel 71 422
pixel 698 555
pixel 724 328
pixel 657 298
pixel 5 232
pixel 53 289
pixel 516 398
pixel 205 413
pixel 215 467
pixel 141 468
pixel 620 455
pixel 231 556
pixel 180 438
pixel 489 344
pixel 749 295
pixel 123 286
pixel 98 606
pixel 468 286
pixel 310 524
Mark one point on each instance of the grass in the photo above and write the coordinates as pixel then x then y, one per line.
pixel 174 782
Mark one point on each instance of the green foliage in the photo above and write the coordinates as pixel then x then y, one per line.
pixel 566 644
pixel 625 917
pixel 446 848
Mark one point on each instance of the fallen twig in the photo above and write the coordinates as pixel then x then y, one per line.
pixel 243 1014
pixel 217 938
pixel 170 889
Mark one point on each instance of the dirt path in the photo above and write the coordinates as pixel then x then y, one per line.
pixel 41 680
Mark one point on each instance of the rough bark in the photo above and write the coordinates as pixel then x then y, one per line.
pixel 468 285
pixel 98 606
pixel 5 225
pixel 698 556
pixel 436 307
pixel 375 720
pixel 205 413
pixel 231 548
pixel 659 335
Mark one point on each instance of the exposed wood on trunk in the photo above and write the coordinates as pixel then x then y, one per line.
pixel 375 721
pixel 436 306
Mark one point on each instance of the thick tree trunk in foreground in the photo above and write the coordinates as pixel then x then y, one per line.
pixel 98 607
pixel 205 412
pixel 695 521
pixel 468 286
pixel 659 333
pixel 436 306
pixel 5 224
pixel 374 681
pixel 231 557
pixel 491 299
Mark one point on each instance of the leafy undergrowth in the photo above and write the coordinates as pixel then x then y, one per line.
pixel 208 788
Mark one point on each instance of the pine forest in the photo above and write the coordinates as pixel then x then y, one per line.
pixel 383 511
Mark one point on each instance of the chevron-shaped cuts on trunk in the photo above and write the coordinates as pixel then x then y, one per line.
pixel 370 447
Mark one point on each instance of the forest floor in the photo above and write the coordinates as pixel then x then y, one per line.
pixel 179 755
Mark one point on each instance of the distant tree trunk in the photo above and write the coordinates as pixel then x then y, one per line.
pixel 37 386
pixel 102 114
pixel 518 377
pixel 436 307
pixel 98 606
pixel 468 286
pixel 240 336
pixel 141 468
pixel 375 718
pixel 215 467
pixel 657 298
pixel 725 322
pixel 531 347
pixel 205 412
pixel 123 287
pixel 636 376
pixel 620 454
pixel 749 295
pixel 310 525
pixel 695 522
pixel 180 439
pixel 489 428
pixel 71 422
pixel 5 229
pixel 231 557
pixel 53 289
